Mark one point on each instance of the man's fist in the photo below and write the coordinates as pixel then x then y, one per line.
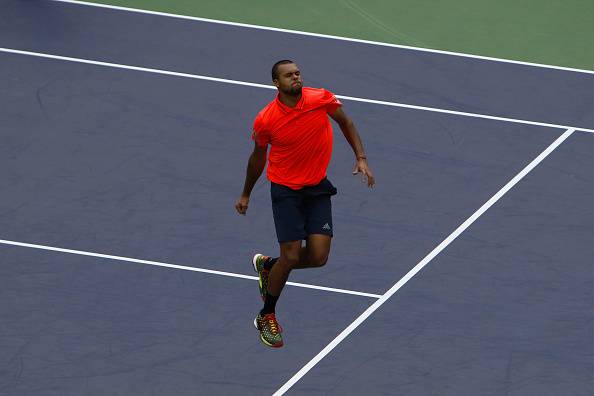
pixel 242 205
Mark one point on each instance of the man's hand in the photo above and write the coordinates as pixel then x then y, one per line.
pixel 242 204
pixel 362 167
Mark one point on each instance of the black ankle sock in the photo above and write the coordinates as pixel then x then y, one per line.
pixel 269 304
pixel 269 263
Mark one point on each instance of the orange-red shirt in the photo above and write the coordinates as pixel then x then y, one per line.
pixel 300 138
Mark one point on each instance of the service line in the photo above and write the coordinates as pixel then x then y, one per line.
pixel 265 86
pixel 178 267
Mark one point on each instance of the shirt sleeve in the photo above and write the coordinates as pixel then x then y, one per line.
pixel 259 134
pixel 331 102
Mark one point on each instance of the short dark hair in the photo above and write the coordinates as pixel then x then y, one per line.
pixel 276 65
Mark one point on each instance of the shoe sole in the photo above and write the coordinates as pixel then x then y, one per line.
pixel 254 259
pixel 263 340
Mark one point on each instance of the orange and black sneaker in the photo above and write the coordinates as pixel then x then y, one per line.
pixel 270 330
pixel 258 262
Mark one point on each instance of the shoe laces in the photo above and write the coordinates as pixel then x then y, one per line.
pixel 272 323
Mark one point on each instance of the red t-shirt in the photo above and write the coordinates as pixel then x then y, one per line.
pixel 300 138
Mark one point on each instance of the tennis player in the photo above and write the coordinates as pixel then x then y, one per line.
pixel 296 126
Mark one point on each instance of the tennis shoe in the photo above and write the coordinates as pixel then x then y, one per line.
pixel 258 261
pixel 270 330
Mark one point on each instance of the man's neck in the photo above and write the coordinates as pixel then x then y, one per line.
pixel 289 100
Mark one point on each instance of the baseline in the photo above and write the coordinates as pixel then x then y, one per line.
pixel 327 36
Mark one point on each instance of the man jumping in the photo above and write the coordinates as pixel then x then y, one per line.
pixel 296 126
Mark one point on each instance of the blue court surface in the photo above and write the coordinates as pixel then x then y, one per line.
pixel 125 270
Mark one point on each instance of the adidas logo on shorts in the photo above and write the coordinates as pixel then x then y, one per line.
pixel 326 227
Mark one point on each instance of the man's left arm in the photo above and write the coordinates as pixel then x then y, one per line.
pixel 347 126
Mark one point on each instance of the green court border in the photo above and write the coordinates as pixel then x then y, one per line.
pixel 547 32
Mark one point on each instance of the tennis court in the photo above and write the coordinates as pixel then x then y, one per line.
pixel 125 269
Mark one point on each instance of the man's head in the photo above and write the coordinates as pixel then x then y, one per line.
pixel 287 77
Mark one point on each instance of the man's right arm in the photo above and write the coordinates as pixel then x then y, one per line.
pixel 255 166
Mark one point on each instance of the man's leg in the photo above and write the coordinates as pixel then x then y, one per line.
pixel 270 332
pixel 315 253
pixel 294 256
pixel 288 260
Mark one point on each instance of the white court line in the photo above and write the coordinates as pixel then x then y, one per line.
pixel 328 36
pixel 461 228
pixel 249 84
pixel 179 267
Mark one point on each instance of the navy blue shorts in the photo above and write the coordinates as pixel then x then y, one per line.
pixel 299 213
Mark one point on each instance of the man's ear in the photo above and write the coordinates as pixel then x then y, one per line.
pixel 275 82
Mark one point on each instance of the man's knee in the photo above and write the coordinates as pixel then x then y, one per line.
pixel 318 260
pixel 318 250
